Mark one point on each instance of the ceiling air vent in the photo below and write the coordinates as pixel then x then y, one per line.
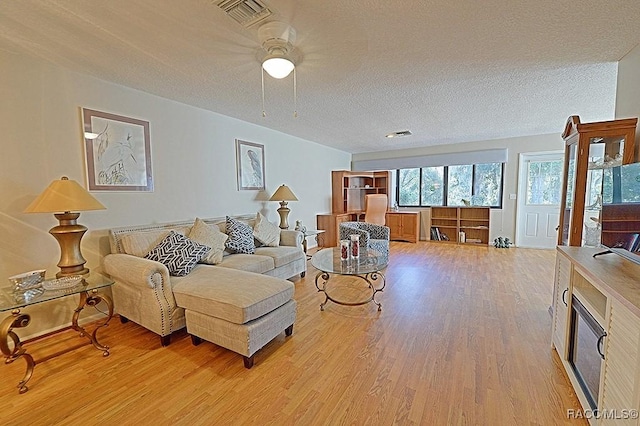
pixel 399 134
pixel 245 12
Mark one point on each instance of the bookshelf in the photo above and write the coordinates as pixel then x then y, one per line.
pixel 349 188
pixel 451 221
pixel 347 201
pixel 444 221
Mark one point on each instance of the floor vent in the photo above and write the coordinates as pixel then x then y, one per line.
pixel 245 12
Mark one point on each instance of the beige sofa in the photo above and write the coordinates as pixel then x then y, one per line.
pixel 144 290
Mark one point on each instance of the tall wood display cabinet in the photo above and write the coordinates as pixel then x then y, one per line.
pixel 589 149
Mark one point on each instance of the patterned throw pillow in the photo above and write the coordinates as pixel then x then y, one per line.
pixel 266 232
pixel 178 253
pixel 240 237
pixel 210 236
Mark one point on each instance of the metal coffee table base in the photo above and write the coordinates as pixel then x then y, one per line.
pixel 371 279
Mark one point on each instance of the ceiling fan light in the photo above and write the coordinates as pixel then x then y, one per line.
pixel 278 67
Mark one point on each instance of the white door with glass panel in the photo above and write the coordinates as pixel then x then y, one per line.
pixel 538 206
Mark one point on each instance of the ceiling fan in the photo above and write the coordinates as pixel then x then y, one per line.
pixel 277 53
pixel 319 50
pixel 276 38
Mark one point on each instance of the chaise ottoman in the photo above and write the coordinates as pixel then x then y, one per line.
pixel 238 310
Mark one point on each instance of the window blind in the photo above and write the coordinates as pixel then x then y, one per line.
pixel 450 159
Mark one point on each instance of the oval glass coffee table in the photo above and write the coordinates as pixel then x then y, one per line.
pixel 349 279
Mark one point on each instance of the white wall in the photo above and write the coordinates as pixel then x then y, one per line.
pixel 503 221
pixel 628 90
pixel 194 166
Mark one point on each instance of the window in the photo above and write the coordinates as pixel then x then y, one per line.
pixel 487 184
pixel 432 188
pixel 543 182
pixel 472 184
pixel 409 182
pixel 460 185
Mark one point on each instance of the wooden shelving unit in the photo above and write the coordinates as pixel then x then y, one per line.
pixel 446 220
pixel 474 222
pixel 349 188
pixel 450 221
pixel 347 199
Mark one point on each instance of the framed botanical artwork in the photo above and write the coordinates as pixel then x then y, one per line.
pixel 250 165
pixel 117 152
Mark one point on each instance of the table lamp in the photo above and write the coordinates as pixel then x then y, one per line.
pixel 283 194
pixel 65 196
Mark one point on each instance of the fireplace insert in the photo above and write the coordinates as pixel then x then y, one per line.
pixel 586 350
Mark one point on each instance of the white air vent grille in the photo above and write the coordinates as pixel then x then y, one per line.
pixel 245 12
pixel 400 134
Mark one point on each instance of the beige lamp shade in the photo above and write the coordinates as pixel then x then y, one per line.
pixel 64 195
pixel 283 193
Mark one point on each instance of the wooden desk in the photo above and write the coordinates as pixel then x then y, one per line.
pixel 330 223
pixel 403 225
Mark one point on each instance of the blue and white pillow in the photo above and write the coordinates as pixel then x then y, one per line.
pixel 240 237
pixel 178 253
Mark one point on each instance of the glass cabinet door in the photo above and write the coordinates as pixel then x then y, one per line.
pixel 572 151
pixel 604 154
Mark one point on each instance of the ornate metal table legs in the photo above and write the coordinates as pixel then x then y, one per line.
pixel 92 299
pixel 15 350
pixel 371 279
pixel 11 346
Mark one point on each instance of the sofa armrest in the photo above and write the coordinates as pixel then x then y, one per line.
pixel 289 237
pixel 136 271
pixel 142 293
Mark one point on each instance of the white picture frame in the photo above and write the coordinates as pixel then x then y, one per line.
pixel 250 165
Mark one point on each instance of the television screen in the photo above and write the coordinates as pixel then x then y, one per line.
pixel 620 217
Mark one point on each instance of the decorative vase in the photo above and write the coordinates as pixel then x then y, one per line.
pixel 344 250
pixel 355 246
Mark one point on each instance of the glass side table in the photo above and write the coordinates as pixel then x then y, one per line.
pixel 13 301
pixel 311 233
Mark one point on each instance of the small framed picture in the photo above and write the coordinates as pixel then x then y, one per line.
pixel 117 152
pixel 250 165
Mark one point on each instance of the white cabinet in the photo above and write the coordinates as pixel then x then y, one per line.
pixel 608 287
pixel 620 387
pixel 561 298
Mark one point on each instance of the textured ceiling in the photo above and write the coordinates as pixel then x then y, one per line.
pixel 449 71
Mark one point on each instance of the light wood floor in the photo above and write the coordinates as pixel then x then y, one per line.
pixel 462 339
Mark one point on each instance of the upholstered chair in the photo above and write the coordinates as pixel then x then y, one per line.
pixel 373 236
